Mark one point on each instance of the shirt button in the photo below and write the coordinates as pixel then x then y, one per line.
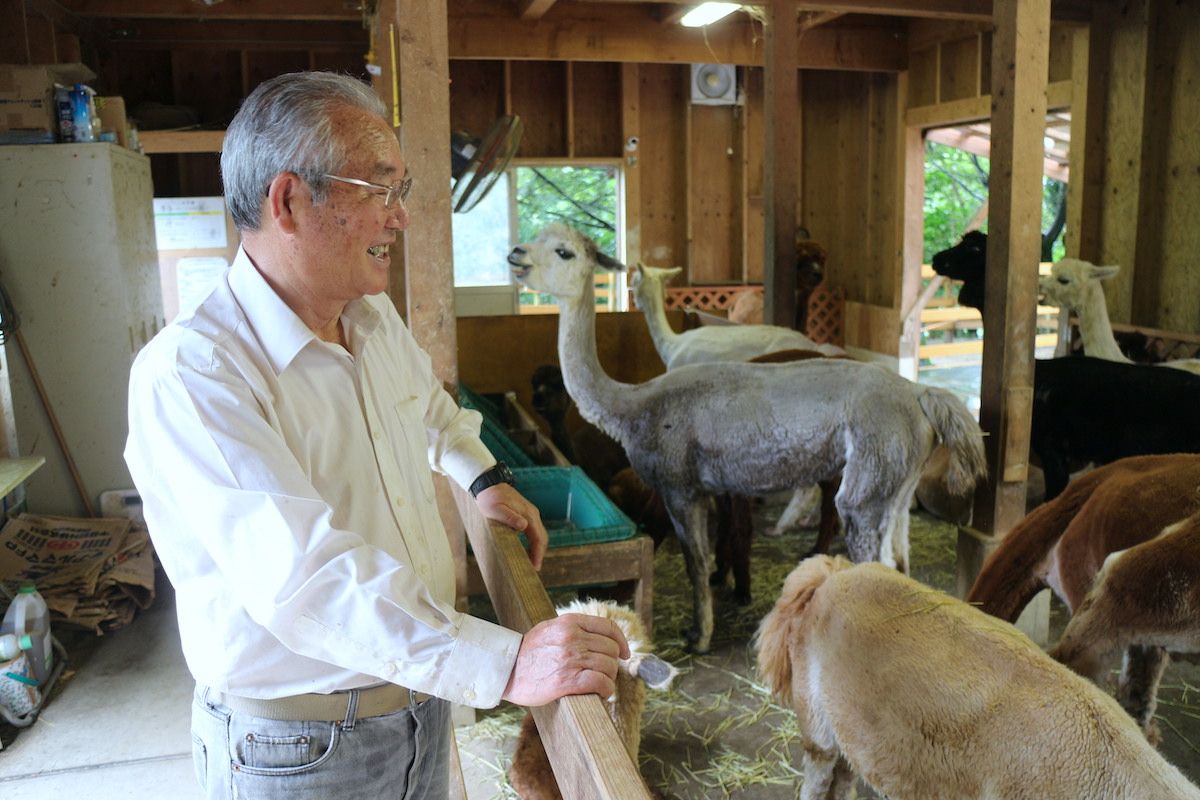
pixel 399 502
pixel 468 695
pixel 377 436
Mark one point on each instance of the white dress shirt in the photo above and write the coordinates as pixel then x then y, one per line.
pixel 286 483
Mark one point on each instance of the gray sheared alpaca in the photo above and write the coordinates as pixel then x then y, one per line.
pixel 753 429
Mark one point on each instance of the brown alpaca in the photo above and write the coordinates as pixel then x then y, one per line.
pixel 531 775
pixel 1145 602
pixel 926 698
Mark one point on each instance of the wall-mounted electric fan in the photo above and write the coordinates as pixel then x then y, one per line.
pixel 475 164
pixel 714 85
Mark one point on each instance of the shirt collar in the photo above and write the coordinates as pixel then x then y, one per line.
pixel 280 332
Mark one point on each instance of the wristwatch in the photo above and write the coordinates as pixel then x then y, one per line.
pixel 497 474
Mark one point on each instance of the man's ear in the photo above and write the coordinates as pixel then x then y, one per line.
pixel 282 194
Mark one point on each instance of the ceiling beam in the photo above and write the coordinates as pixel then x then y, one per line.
pixel 870 49
pixel 308 10
pixel 813 19
pixel 158 33
pixel 533 9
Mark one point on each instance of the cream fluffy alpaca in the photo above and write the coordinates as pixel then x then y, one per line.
pixel 531 775
pixel 927 698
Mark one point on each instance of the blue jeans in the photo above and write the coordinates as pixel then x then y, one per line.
pixel 403 755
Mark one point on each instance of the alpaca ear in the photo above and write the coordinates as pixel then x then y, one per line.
pixel 674 272
pixel 608 262
pixel 1104 273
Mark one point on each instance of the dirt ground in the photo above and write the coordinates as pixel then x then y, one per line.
pixel 717 733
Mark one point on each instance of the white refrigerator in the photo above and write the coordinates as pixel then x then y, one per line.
pixel 78 260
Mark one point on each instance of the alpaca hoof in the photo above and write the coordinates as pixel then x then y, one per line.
pixel 741 597
pixel 1153 734
pixel 716 579
pixel 694 644
pixel 772 532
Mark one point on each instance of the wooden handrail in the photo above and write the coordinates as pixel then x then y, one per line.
pixel 588 757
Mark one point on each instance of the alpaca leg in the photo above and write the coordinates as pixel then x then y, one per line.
pixel 830 524
pixel 827 776
pixel 723 539
pixel 799 512
pixel 691 527
pixel 1137 688
pixel 741 532
pixel 899 523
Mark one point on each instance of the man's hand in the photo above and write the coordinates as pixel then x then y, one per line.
pixel 505 505
pixel 571 654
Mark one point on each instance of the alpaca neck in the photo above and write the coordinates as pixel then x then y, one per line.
pixel 1095 329
pixel 600 400
pixel 666 340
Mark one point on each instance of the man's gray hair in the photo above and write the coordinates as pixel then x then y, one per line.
pixel 285 126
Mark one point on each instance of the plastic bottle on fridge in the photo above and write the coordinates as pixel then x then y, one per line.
pixel 28 615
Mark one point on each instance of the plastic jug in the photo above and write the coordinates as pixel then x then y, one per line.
pixel 29 616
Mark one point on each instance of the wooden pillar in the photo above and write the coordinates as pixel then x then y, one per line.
pixel 781 162
pixel 412 51
pixel 911 211
pixel 1020 55
pixel 630 124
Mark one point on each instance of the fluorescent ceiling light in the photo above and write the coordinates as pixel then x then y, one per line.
pixel 707 13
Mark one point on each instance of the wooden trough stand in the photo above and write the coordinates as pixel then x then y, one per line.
pixel 586 754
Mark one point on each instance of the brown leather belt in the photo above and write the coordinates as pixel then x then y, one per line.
pixel 373 701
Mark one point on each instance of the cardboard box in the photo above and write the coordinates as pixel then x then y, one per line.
pixel 36 81
pixel 28 115
pixel 27 94
pixel 112 117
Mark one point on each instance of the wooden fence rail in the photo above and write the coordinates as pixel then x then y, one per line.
pixel 586 754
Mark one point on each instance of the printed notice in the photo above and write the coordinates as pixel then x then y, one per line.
pixel 189 223
pixel 196 277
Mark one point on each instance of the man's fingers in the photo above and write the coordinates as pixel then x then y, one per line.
pixel 592 682
pixel 603 627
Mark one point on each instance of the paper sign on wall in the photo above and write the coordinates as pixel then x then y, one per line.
pixel 189 223
pixel 196 278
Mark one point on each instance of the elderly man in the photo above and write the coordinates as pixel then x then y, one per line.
pixel 281 437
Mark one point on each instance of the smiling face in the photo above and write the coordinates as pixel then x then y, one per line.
pixel 346 240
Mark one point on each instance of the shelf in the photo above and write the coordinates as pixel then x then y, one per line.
pixel 181 141
pixel 14 471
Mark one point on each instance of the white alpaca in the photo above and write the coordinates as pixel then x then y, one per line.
pixel 531 775
pixel 753 429
pixel 708 343
pixel 927 698
pixel 1074 284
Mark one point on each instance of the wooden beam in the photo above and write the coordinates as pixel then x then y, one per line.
pixel 311 10
pixel 781 164
pixel 814 19
pixel 1020 59
pixel 1079 11
pixel 871 49
pixel 252 34
pixel 533 9
pixel 587 755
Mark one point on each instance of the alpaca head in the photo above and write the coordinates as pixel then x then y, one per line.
pixel 559 261
pixel 810 262
pixel 642 663
pixel 649 284
pixel 1069 282
pixel 966 262
pixel 550 398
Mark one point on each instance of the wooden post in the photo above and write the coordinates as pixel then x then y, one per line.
pixel 412 51
pixel 781 163
pixel 1020 55
pixel 912 242
pixel 630 124
pixel 588 757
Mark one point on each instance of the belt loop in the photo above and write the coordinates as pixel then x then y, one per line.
pixel 351 710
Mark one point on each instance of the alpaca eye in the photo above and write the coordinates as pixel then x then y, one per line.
pixel 1063 281
pixel 564 253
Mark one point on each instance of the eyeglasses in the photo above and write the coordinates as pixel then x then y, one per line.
pixel 398 191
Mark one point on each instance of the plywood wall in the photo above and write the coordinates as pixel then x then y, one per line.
pixel 663 136
pixel 1143 205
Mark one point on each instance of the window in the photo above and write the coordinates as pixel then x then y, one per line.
pixel 522 202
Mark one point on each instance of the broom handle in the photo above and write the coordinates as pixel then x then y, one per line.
pixel 58 434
